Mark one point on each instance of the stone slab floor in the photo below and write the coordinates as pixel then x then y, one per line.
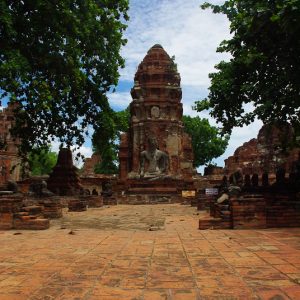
pixel 147 252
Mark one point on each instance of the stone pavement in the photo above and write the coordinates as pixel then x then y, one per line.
pixel 147 252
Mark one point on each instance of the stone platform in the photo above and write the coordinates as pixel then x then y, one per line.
pixel 153 192
pixel 112 254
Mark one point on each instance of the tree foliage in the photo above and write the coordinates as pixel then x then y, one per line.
pixel 58 59
pixel 106 139
pixel 206 140
pixel 262 77
pixel 41 161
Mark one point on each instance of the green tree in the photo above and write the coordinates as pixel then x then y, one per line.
pixel 106 139
pixel 58 59
pixel 262 77
pixel 41 161
pixel 206 140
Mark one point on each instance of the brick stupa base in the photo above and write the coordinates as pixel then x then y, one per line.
pixel 13 215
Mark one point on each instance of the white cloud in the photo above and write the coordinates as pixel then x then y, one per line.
pixel 183 29
pixel 119 100
pixel 55 145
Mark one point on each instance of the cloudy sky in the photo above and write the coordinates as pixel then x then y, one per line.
pixel 189 33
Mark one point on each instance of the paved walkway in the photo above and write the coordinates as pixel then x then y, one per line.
pixel 147 252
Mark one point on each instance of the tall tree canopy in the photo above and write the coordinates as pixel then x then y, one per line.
pixel 58 59
pixel 264 70
pixel 207 141
pixel 41 160
pixel 106 139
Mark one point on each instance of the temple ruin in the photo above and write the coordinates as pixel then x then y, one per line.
pixel 258 188
pixel 9 159
pixel 156 158
pixel 267 192
pixel 265 153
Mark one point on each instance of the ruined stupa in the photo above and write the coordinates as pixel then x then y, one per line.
pixel 156 158
pixel 64 180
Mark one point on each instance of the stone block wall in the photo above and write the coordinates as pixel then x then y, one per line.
pixel 255 211
pixel 248 212
pixel 283 210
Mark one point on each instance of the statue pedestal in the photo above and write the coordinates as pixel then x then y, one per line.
pixel 143 191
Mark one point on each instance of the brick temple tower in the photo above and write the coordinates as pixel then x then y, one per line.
pixel 156 112
pixel 9 159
